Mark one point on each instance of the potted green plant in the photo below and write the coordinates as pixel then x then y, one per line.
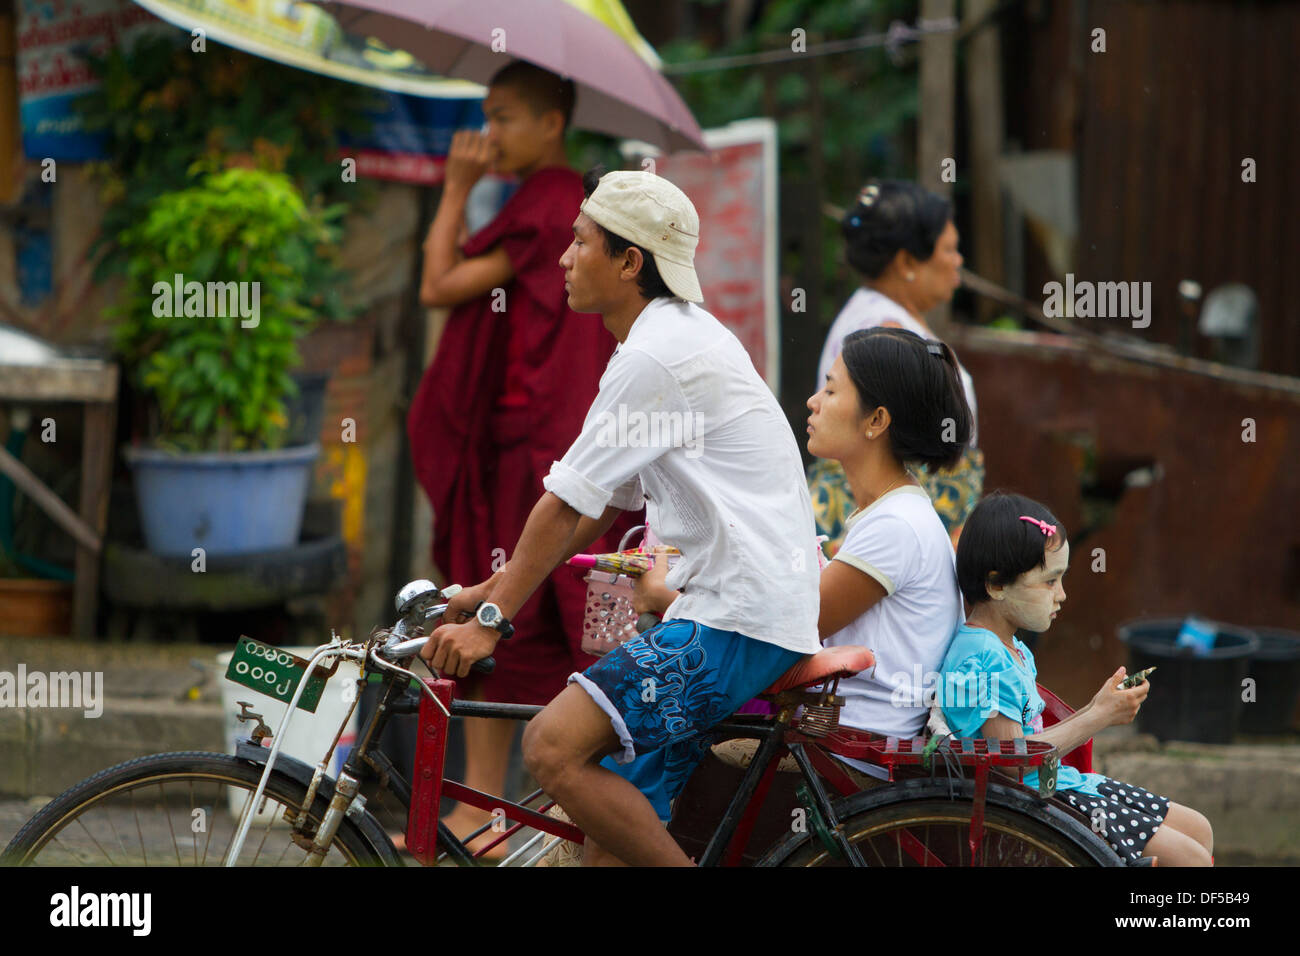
pixel 216 298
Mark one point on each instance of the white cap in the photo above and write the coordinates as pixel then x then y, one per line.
pixel 653 213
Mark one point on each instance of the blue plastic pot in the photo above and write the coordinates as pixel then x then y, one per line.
pixel 225 503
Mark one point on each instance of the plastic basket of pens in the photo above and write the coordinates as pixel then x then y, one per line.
pixel 609 618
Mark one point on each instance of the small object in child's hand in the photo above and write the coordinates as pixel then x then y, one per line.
pixel 1134 679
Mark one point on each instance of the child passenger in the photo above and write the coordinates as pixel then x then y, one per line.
pixel 1011 561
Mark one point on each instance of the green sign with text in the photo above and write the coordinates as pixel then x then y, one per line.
pixel 275 672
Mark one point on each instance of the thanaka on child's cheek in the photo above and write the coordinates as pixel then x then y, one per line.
pixel 1032 600
pixel 1029 608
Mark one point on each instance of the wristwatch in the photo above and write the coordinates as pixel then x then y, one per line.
pixel 490 616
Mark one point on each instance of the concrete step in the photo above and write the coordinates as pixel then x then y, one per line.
pixel 1249 791
pixel 155 698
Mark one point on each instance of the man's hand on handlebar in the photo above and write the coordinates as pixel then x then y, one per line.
pixel 461 607
pixel 453 648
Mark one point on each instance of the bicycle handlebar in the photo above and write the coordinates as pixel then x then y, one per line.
pixel 396 649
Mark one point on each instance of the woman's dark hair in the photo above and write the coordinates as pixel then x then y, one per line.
pixel 648 281
pixel 891 215
pixel 918 381
pixel 996 547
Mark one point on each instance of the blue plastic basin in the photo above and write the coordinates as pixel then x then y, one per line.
pixel 225 503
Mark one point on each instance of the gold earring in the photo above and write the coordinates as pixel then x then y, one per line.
pixel 871 434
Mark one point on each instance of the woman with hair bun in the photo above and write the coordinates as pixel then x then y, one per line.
pixel 902 240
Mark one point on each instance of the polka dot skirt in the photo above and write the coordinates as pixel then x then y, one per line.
pixel 1125 816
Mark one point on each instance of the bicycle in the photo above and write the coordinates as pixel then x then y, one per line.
pixel 320 820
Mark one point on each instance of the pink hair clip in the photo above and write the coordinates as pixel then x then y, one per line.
pixel 1047 529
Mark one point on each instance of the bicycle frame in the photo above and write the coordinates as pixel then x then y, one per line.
pixel 725 848
pixel 776 736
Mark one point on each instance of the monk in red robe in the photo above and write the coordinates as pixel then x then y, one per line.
pixel 506 394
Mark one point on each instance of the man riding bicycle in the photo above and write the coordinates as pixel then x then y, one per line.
pixel 683 423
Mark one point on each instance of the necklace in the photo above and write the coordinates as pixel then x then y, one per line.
pixel 893 486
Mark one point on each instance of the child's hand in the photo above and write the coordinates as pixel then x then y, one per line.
pixel 1119 706
pixel 468 159
pixel 649 593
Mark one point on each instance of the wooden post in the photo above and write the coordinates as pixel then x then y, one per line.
pixel 92 384
pixel 98 436
pixel 984 100
pixel 938 79
pixel 935 137
pixel 11 159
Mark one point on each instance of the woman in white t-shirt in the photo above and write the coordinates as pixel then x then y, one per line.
pixel 890 399
pixel 901 239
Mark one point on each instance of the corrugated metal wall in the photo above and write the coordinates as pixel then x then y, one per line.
pixel 1161 123
pixel 1216 533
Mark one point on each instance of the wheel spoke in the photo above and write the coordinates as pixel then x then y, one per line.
pixel 193 801
pixel 116 835
pixel 266 832
pixel 138 830
pixel 162 797
pixel 213 818
pixel 96 842
pixel 936 830
pixel 81 827
pixel 872 843
pixel 73 850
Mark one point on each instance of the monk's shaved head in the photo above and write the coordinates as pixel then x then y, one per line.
pixel 540 89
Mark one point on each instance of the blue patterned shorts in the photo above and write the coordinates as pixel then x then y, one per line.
pixel 663 689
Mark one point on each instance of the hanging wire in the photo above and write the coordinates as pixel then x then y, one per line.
pixel 893 40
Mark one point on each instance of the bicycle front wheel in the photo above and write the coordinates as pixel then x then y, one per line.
pixel 918 823
pixel 182 809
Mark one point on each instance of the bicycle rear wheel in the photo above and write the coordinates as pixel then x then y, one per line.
pixel 177 810
pixel 917 823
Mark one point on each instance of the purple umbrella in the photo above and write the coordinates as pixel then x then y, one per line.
pixel 618 92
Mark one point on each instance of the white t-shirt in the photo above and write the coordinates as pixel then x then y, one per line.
pixel 684 422
pixel 867 309
pixel 900 541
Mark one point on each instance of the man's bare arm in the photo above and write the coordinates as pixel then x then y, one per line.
pixel 551 534
pixel 589 529
pixel 545 542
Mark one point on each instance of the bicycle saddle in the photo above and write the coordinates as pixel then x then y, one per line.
pixel 825 664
